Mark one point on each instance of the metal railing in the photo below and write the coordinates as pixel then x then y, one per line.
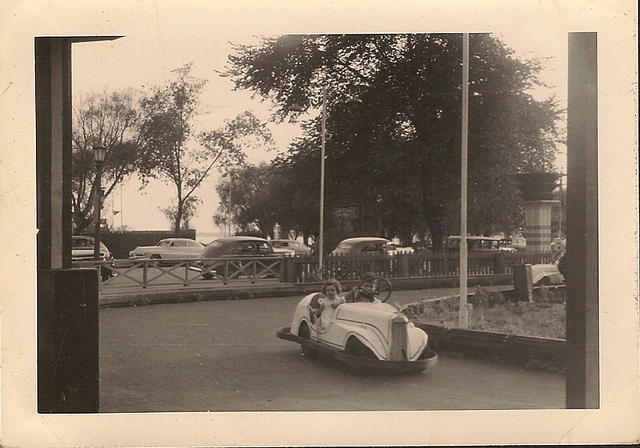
pixel 186 272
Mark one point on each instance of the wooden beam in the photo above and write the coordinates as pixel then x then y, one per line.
pixel 582 373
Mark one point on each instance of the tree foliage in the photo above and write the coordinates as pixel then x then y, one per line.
pixel 174 152
pixel 397 151
pixel 109 120
pixel 189 211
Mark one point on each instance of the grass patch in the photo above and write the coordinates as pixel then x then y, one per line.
pixel 496 312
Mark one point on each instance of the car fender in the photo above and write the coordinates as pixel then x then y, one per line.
pixel 417 340
pixel 370 336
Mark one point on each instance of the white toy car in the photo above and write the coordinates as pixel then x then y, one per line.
pixel 546 274
pixel 369 335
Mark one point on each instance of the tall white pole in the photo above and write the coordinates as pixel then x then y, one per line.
pixel 463 314
pixel 322 149
pixel 121 209
pixel 229 210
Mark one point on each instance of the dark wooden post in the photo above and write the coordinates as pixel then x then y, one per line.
pixel 499 263
pixel 582 371
pixel 403 265
pixel 67 298
pixel 522 283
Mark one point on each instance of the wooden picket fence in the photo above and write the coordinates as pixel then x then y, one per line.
pixel 416 265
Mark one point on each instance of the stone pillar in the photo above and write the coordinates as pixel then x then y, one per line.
pixel 538 224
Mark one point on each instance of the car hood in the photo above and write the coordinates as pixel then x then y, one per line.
pixel 82 251
pixel 140 248
pixel 378 314
pixel 539 271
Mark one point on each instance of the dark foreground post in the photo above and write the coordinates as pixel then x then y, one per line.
pixel 582 372
pixel 523 283
pixel 67 341
pixel 67 298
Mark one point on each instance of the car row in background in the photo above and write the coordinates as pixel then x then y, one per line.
pixel 82 249
pixel 169 248
pixel 298 247
pixel 364 246
pixel 234 247
pixel 481 244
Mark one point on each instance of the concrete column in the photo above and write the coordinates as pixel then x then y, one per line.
pixel 538 224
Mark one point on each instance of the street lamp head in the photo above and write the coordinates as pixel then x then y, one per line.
pixel 99 153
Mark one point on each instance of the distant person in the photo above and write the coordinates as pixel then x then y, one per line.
pixel 365 291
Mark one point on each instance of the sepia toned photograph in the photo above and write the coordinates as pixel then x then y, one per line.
pixel 239 220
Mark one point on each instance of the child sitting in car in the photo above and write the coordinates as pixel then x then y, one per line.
pixel 365 291
pixel 323 305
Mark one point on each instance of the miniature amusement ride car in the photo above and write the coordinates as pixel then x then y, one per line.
pixel 373 336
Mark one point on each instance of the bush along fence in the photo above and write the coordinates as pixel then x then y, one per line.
pixel 417 265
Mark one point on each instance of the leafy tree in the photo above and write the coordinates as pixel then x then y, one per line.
pixel 174 152
pixel 244 194
pixel 400 147
pixel 189 210
pixel 109 120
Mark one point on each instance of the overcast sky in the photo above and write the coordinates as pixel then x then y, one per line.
pixel 158 44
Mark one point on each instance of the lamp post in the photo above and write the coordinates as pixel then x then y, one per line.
pixel 323 137
pixel 229 210
pixel 98 157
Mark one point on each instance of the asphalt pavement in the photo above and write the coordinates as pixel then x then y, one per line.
pixel 224 356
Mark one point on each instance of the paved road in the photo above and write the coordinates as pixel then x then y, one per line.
pixel 224 356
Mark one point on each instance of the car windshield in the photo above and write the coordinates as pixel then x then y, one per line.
pixel 372 248
pixel 344 247
pixel 216 243
pixel 86 243
pixel 82 243
pixel 164 243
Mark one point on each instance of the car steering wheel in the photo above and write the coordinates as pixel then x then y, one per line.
pixel 379 291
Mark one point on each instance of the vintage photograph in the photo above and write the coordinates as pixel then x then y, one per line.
pixel 308 186
pixel 231 220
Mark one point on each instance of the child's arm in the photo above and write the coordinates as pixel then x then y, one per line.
pixel 338 301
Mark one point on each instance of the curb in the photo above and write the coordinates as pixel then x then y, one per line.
pixel 521 350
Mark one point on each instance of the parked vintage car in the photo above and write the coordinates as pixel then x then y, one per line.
pixel 298 247
pixel 546 274
pixel 234 247
pixel 480 244
pixel 82 249
pixel 168 249
pixel 366 245
pixel 364 335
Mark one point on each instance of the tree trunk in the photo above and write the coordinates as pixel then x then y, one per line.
pixel 178 218
pixel 430 207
